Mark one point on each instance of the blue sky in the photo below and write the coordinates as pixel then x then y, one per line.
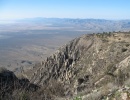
pixel 100 9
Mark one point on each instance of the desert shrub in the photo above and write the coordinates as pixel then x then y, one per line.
pixel 120 77
pixel 2 69
pixel 24 96
pixel 127 82
pixel 94 96
pixel 13 88
pixel 127 45
pixel 110 69
pixel 55 88
pixel 124 49
pixel 78 98
pixel 49 91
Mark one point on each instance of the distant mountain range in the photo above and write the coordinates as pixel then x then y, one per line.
pixel 89 25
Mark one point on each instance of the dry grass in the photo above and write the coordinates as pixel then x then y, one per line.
pixel 22 89
pixel 2 69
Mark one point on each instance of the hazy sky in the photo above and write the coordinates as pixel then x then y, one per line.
pixel 106 9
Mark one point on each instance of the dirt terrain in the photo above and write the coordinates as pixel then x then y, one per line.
pixel 20 50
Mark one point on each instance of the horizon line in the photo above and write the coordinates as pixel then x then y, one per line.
pixel 13 19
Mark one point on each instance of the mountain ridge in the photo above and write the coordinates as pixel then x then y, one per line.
pixel 93 66
pixel 88 25
pixel 76 64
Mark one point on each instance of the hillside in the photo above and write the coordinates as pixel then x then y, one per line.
pixel 88 63
pixel 19 51
pixel 93 66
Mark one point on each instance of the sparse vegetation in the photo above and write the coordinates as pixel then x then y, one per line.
pixel 88 66
pixel 124 49
pixel 12 88
pixel 78 98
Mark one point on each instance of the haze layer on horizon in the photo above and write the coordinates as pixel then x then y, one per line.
pixel 98 9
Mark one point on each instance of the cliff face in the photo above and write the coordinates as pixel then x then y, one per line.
pixel 61 65
pixel 87 64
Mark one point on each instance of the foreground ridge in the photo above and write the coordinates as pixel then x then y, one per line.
pixel 93 66
pixel 88 63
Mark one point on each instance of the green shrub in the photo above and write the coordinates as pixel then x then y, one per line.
pixel 78 98
pixel 24 96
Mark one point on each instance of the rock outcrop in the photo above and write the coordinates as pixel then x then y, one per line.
pixel 87 65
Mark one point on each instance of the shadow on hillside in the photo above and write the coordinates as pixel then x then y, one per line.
pixel 14 88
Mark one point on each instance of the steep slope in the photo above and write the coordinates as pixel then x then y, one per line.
pixel 89 65
pixel 14 88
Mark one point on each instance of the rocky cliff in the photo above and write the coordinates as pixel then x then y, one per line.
pixel 92 65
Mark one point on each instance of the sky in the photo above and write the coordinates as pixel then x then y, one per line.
pixel 97 9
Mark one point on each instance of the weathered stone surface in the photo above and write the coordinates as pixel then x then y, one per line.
pixel 88 63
